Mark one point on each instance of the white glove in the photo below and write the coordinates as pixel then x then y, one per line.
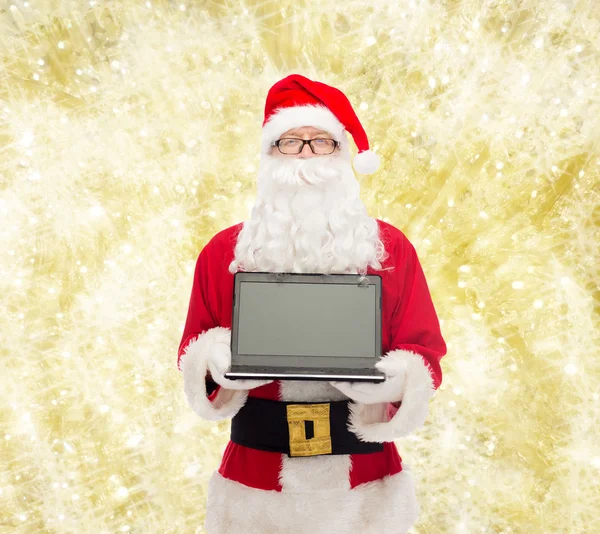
pixel 391 390
pixel 218 363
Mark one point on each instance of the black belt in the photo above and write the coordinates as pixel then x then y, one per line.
pixel 297 429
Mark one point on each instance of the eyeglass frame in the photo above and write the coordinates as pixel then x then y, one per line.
pixel 305 142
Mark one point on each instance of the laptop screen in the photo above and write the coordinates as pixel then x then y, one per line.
pixel 307 324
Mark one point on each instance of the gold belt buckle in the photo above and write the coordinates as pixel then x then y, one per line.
pixel 297 416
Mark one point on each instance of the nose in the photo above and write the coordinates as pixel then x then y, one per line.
pixel 306 152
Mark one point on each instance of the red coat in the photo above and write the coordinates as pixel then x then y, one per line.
pixel 409 322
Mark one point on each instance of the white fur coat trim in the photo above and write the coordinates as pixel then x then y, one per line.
pixel 370 422
pixel 195 368
pixel 386 506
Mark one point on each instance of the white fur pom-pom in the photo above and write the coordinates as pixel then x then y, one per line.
pixel 366 162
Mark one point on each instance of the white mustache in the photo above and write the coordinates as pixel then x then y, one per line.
pixel 298 172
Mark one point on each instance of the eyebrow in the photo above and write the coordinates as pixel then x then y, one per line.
pixel 295 132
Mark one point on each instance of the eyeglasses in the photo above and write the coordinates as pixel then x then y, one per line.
pixel 291 145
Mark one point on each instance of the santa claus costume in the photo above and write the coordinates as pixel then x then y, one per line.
pixel 309 218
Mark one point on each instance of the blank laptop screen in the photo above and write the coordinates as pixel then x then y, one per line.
pixel 308 324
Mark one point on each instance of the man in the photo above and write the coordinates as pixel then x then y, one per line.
pixel 309 218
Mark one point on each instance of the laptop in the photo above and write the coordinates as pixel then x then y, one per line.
pixel 306 327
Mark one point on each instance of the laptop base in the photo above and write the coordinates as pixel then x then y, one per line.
pixel 242 372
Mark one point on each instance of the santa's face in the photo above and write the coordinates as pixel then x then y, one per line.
pixel 308 216
pixel 286 164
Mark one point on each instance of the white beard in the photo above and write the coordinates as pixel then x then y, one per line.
pixel 308 218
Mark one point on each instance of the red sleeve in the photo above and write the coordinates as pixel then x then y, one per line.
pixel 199 316
pixel 415 325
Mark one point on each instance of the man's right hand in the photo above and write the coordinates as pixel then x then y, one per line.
pixel 218 363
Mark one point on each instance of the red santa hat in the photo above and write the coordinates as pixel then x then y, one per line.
pixel 297 101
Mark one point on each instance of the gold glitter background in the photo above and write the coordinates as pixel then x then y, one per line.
pixel 129 135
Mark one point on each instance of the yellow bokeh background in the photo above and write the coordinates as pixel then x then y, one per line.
pixel 129 135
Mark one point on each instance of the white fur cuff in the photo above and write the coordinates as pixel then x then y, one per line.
pixel 370 421
pixel 194 365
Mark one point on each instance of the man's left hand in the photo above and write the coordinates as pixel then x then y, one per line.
pixel 391 390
